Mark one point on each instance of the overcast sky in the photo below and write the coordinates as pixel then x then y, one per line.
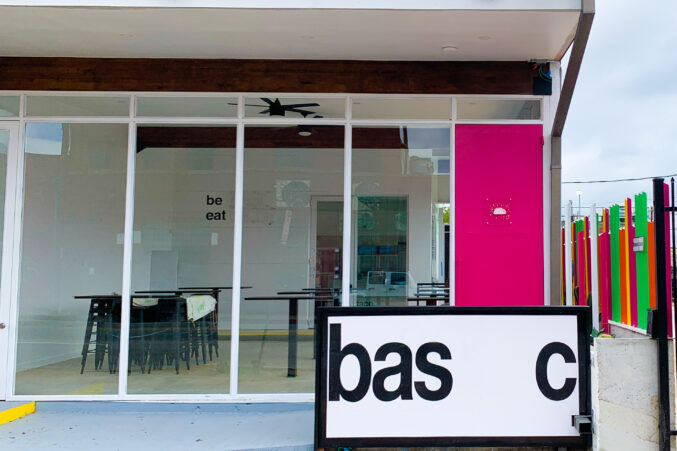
pixel 623 118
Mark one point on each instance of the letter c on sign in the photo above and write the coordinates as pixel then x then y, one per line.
pixel 542 371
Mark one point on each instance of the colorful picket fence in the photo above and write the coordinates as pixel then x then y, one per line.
pixel 613 263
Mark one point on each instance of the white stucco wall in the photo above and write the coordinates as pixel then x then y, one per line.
pixel 625 394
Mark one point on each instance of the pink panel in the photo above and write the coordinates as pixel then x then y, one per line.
pixel 604 280
pixel 499 215
pixel 580 246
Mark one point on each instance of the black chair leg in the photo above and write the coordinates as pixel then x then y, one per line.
pixel 88 335
pixel 203 331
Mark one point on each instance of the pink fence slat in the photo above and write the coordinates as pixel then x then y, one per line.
pixel 605 280
pixel 588 257
pixel 580 239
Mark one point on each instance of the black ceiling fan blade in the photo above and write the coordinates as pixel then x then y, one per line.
pixel 302 112
pixel 268 101
pixel 266 111
pixel 299 105
pixel 249 104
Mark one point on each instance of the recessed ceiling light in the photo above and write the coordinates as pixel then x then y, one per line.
pixel 449 48
pixel 483 38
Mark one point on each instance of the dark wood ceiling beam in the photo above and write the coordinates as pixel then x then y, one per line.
pixel 308 76
pixel 323 137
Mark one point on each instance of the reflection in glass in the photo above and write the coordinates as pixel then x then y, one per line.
pixel 186 106
pixel 182 259
pixel 77 106
pixel 400 196
pixel 296 107
pixel 9 106
pixel 292 241
pixel 421 108
pixel 498 109
pixel 71 259
pixel 4 148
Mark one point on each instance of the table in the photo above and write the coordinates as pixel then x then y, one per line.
pixel 335 298
pixel 292 341
pixel 429 300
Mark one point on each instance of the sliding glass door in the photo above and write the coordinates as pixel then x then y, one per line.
pixel 9 135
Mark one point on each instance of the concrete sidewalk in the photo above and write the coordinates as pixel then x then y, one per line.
pixel 113 426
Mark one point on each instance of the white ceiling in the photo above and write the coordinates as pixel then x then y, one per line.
pixel 479 35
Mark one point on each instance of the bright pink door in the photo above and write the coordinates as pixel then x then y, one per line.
pixel 499 215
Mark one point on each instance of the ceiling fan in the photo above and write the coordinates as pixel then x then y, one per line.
pixel 277 108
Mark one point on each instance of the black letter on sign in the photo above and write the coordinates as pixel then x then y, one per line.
pixel 542 371
pixel 440 372
pixel 403 369
pixel 336 355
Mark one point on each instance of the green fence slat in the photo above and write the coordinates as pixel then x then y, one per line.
pixel 614 226
pixel 642 260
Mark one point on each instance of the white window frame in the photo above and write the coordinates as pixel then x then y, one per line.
pixel 13 225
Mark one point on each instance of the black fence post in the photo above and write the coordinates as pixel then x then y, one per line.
pixel 661 305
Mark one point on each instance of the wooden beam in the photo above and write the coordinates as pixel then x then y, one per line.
pixel 306 76
pixel 574 65
pixel 323 137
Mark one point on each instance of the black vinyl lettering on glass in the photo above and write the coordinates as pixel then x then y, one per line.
pixel 548 391
pixel 403 369
pixel 440 372
pixel 215 215
pixel 336 356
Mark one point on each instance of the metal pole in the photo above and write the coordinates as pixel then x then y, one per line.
pixel 661 304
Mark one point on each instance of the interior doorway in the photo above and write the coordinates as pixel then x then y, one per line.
pixel 327 249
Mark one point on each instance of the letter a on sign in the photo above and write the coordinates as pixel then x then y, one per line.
pixel 424 376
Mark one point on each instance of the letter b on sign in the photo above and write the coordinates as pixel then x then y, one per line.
pixel 336 356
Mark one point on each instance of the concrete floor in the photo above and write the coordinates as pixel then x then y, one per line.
pixel 112 426
pixel 263 369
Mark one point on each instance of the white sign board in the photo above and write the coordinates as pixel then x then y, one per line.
pixel 451 376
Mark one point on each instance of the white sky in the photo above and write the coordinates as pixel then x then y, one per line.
pixel 623 118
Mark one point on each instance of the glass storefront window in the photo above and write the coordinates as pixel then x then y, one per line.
pixel 294 108
pixel 291 245
pixel 9 106
pixel 384 108
pixel 400 194
pixel 497 109
pixel 4 148
pixel 77 106
pixel 186 106
pixel 71 259
pixel 72 233
pixel 182 268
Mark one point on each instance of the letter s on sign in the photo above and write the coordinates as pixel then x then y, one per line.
pixel 542 371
